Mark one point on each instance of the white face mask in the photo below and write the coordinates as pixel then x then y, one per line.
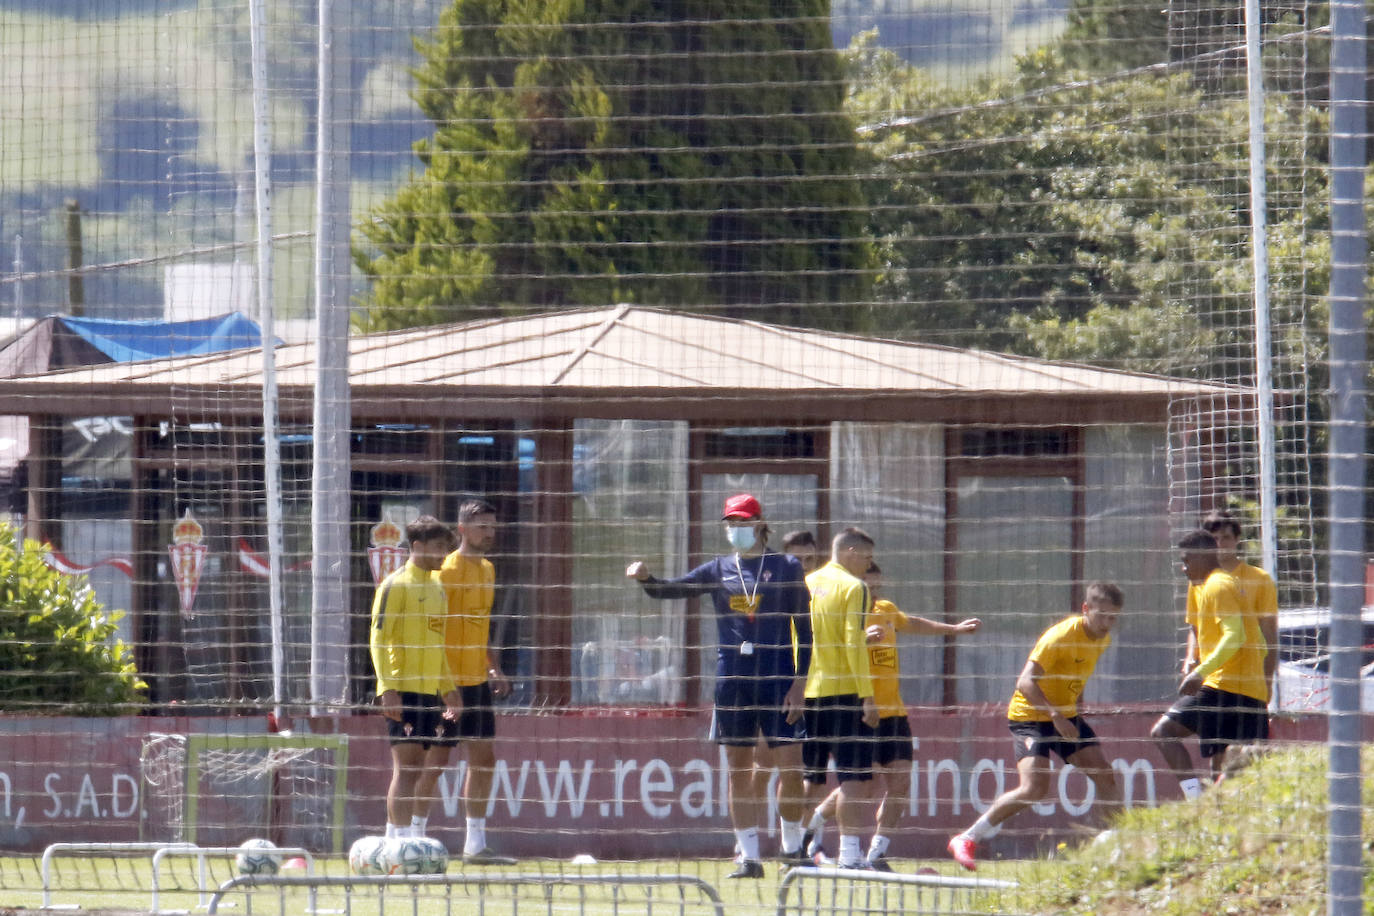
pixel 741 537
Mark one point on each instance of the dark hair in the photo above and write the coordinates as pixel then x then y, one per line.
pixel 851 537
pixel 799 538
pixel 1197 540
pixel 473 508
pixel 1109 592
pixel 427 528
pixel 1218 519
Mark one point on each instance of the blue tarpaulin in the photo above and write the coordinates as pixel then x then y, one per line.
pixel 128 341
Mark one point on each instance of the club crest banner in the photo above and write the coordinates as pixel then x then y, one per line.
pixel 188 552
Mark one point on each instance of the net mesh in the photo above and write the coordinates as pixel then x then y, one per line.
pixel 977 276
pixel 276 791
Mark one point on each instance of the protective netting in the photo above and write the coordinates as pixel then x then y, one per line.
pixel 223 795
pixel 1022 289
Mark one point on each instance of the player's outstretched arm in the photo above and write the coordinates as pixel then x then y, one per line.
pixel 697 582
pixel 924 626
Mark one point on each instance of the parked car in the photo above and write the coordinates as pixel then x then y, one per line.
pixel 1303 681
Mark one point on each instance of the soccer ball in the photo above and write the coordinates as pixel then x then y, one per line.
pixel 434 859
pixel 367 856
pixel 257 857
pixel 405 856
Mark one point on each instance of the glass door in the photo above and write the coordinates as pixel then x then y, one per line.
pixel 1012 559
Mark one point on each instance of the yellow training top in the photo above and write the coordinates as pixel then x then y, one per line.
pixel 1208 604
pixel 1258 593
pixel 882 658
pixel 406 638
pixel 470 584
pixel 1068 655
pixel 839 653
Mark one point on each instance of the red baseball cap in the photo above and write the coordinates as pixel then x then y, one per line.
pixel 742 506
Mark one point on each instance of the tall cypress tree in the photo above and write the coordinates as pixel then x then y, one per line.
pixel 690 154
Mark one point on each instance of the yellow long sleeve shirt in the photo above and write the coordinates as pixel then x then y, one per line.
pixel 839 651
pixel 1241 669
pixel 406 638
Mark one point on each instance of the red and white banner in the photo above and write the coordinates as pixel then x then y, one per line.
pixel 589 781
pixel 250 561
pixel 255 564
pixel 57 561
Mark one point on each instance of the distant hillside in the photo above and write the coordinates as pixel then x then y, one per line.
pixel 140 111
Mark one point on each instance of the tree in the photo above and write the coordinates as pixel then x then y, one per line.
pixel 1106 219
pixel 1051 214
pixel 58 647
pixel 596 151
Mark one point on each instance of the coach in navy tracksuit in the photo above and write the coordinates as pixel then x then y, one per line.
pixel 764 624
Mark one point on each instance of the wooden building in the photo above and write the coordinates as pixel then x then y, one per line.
pixel 995 486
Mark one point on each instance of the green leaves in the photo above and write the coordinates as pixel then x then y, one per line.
pixel 588 152
pixel 59 649
pixel 1075 215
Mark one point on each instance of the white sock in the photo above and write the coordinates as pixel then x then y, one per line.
pixel 817 821
pixel 1192 787
pixel 791 835
pixel 417 825
pixel 878 847
pixel 748 840
pixel 476 839
pixel 390 830
pixel 851 852
pixel 980 829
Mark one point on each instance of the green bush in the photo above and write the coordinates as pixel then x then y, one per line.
pixel 58 649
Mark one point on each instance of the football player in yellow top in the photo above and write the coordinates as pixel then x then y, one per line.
pixel 1224 695
pixel 1043 717
pixel 839 686
pixel 415 689
pixel 1259 595
pixel 892 750
pixel 469 581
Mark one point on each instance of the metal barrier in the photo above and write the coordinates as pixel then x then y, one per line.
pixel 90 849
pixel 482 884
pixel 851 892
pixel 200 852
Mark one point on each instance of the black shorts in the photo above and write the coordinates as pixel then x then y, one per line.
pixel 892 740
pixel 422 718
pixel 477 721
pixel 1040 739
pixel 1220 718
pixel 747 707
pixel 835 728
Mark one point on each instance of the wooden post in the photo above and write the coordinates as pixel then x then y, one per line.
pixel 43 522
pixel 76 285
pixel 553 565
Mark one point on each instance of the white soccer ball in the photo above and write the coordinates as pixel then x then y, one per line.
pixel 405 855
pixel 367 856
pixel 434 855
pixel 258 857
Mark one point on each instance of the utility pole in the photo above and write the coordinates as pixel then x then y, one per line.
pixel 18 276
pixel 76 286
